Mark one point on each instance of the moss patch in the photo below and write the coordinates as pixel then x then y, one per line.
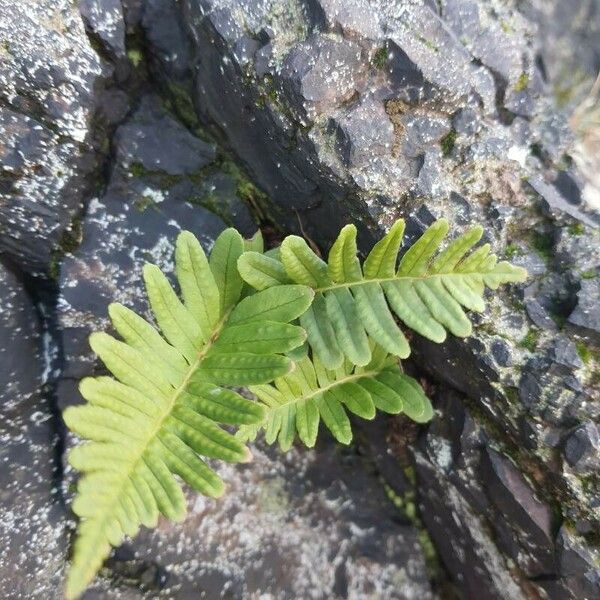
pixel 576 229
pixel 512 250
pixel 542 244
pixel 448 142
pixel 380 59
pixel 530 341
pixel 522 82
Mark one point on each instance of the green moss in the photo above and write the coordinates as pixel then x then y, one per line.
pixel 381 57
pixel 559 318
pixel 135 56
pixel 537 151
pixel 180 103
pixel 576 229
pixel 447 142
pixel 589 274
pixel 584 352
pixel 512 394
pixel 69 242
pixel 506 26
pixel 512 250
pixel 428 43
pixel 137 170
pixel 530 340
pixel 542 244
pixel 588 355
pixel 143 202
pixel 522 82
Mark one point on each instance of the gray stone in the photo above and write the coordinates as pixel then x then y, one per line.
pixel 157 142
pixel 556 204
pixel 33 530
pixel 364 132
pixel 50 84
pixel 337 111
pixel 104 21
pixel 527 522
pixel 20 341
pixel 422 132
pixel 107 264
pixel 353 17
pixel 585 319
pixel 582 449
pixel 564 352
pixel 577 564
pixel 321 72
pixel 164 28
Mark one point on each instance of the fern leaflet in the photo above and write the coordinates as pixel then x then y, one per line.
pixel 298 401
pixel 427 290
pixel 160 412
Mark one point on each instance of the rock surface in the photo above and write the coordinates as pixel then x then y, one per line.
pixel 177 114
pixel 52 86
pixel 33 529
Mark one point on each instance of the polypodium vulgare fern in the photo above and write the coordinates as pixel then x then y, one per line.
pixel 160 412
pixel 427 290
pixel 298 401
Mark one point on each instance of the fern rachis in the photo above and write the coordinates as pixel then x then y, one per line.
pixel 160 413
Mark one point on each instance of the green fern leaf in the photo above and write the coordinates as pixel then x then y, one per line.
pixel 296 403
pixel 161 412
pixel 428 290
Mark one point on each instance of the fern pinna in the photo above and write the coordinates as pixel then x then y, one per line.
pixel 298 401
pixel 161 410
pixel 427 290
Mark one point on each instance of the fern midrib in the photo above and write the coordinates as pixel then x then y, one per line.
pixel 335 286
pixel 166 413
pixel 326 388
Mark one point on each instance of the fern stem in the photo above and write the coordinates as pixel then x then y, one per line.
pixel 347 284
pixel 334 384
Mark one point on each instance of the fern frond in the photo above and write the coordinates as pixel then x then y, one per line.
pixel 295 403
pixel 427 290
pixel 161 412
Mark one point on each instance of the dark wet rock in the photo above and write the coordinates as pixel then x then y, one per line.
pixel 33 539
pixel 578 564
pixel 564 352
pixel 157 142
pixel 20 341
pixel 539 315
pixel 556 204
pixel 104 21
pixel 585 319
pixel 341 112
pixel 454 506
pixel 51 83
pixel 568 33
pixel 527 523
pixel 582 449
pixel 165 29
pixel 422 132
